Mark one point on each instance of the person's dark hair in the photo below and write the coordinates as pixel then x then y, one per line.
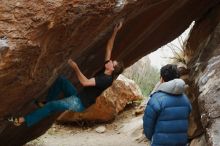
pixel 169 72
pixel 118 69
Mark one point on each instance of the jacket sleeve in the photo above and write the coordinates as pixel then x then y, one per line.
pixel 150 116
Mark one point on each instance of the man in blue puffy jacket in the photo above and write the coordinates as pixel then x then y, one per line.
pixel 166 116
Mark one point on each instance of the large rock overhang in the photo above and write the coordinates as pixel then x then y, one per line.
pixel 37 38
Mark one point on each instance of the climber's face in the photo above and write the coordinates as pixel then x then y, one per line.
pixel 109 65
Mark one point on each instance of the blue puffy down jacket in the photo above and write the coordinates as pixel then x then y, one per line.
pixel 166 116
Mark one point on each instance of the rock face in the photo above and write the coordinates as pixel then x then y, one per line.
pixel 37 37
pixel 109 104
pixel 203 51
pixel 200 141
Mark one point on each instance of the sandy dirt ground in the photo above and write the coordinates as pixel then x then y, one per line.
pixel 125 130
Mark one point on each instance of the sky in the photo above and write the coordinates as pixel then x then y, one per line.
pixel 159 57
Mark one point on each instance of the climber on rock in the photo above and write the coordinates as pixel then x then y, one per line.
pixel 73 100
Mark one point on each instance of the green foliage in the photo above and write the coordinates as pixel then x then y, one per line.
pixel 144 75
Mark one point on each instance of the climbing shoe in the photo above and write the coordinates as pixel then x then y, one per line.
pixel 14 120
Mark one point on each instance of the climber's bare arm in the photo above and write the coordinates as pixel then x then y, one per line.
pixel 111 41
pixel 82 78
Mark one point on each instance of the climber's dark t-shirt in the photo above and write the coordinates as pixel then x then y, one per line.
pixel 89 94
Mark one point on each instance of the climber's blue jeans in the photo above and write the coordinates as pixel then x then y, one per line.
pixel 69 102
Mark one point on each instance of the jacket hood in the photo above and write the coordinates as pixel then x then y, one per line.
pixel 176 86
